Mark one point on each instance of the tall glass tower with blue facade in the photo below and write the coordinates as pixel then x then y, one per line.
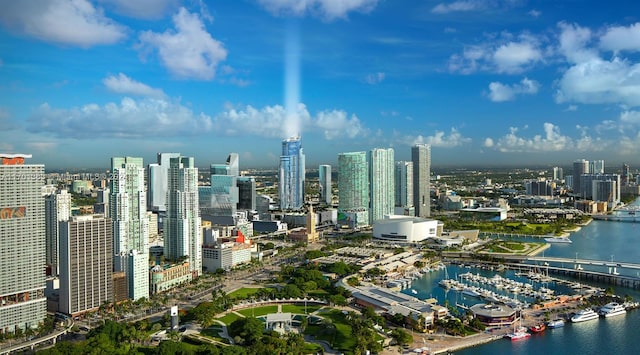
pixel 291 175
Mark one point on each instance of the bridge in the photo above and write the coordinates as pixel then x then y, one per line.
pixel 31 344
pixel 610 263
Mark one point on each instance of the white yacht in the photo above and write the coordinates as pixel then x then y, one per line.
pixel 584 315
pixel 612 309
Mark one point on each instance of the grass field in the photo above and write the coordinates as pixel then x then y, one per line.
pixel 341 338
pixel 228 318
pixel 258 311
pixel 299 309
pixel 244 293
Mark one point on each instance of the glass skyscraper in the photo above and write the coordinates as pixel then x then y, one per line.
pixel 353 187
pixel 324 175
pixel 404 184
pixel 291 175
pixel 157 182
pixel 221 198
pixel 421 158
pixel 381 183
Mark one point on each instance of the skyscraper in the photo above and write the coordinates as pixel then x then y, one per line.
pixel 57 209
pixel 353 187
pixel 128 201
pixel 404 184
pixel 421 158
pixel 558 174
pixel 183 230
pixel 291 175
pixel 596 167
pixel 22 240
pixel 221 198
pixel 381 183
pixel 579 167
pixel 158 182
pixel 626 176
pixel 324 173
pixel 86 263
pixel 246 193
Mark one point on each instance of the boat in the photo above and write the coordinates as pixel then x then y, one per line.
pixel 612 309
pixel 518 334
pixel 414 291
pixel 557 240
pixel 470 292
pixel 584 315
pixel 538 328
pixel 556 323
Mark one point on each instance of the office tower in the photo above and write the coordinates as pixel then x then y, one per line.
pixel 128 211
pixel 57 209
pixel 157 182
pixel 539 188
pixel 353 187
pixel 381 183
pixel 183 230
pixel 22 244
pixel 404 184
pixel 102 202
pixel 86 263
pixel 588 181
pixel 291 175
pixel 579 167
pixel 558 174
pixel 324 180
pixel 221 198
pixel 626 177
pixel 246 193
pixel 596 167
pixel 605 190
pixel 421 158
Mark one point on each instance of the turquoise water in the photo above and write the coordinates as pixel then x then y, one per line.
pixel 600 240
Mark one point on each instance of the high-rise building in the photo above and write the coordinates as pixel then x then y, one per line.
pixel 291 174
pixel 246 193
pixel 404 184
pixel 57 209
pixel 221 198
pixel 158 182
pixel 381 183
pixel 421 158
pixel 558 174
pixel 626 176
pixel 128 211
pixel 590 192
pixel 579 167
pixel 22 244
pixel 183 230
pixel 606 191
pixel 596 167
pixel 539 188
pixel 353 187
pixel 324 175
pixel 86 264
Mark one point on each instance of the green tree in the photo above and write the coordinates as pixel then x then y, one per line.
pixel 401 336
pixel 249 330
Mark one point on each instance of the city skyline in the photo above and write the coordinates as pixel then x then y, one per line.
pixel 505 82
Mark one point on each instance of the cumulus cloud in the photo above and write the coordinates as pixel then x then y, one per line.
pixel 441 139
pixel 123 84
pixel 621 38
pixel 188 51
pixel 499 92
pixel 534 13
pixel 551 141
pixel 76 23
pixel 328 9
pixel 142 9
pixel 472 5
pixel 161 117
pixel 505 54
pixel 374 78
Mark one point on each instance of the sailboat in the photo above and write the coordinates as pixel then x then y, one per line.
pixel 518 333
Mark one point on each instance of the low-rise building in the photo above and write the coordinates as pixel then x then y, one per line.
pixel 225 255
pixel 166 277
pixel 404 229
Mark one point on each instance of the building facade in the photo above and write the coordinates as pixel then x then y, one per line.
pixel 22 237
pixel 128 211
pixel 324 180
pixel 381 183
pixel 158 182
pixel 246 193
pixel 404 184
pixel 183 230
pixel 291 175
pixel 580 167
pixel 421 158
pixel 221 197
pixel 353 188
pixel 86 264
pixel 166 277
pixel 57 209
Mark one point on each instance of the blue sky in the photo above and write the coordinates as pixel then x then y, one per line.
pixel 495 82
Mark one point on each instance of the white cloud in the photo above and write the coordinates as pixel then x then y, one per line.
pixel 574 41
pixel 534 13
pixel 630 117
pixel 488 142
pixel 328 9
pixel 142 9
pixel 571 108
pixel 499 92
pixel 552 141
pixel 123 84
pixel 153 117
pixel 374 78
pixel 189 51
pixel 76 22
pixel 472 5
pixel 621 38
pixel 440 139
pixel 505 54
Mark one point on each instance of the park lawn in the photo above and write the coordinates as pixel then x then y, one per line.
pixel 319 293
pixel 228 318
pixel 258 311
pixel 342 339
pixel 515 246
pixel 213 334
pixel 244 293
pixel 299 309
pixel 310 348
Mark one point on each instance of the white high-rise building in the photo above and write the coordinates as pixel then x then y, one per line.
pixel 22 244
pixel 57 209
pixel 183 225
pixel 421 158
pixel 404 184
pixel 157 182
pixel 128 211
pixel 86 263
pixel 324 174
pixel 596 167
pixel 381 183
pixel 558 173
